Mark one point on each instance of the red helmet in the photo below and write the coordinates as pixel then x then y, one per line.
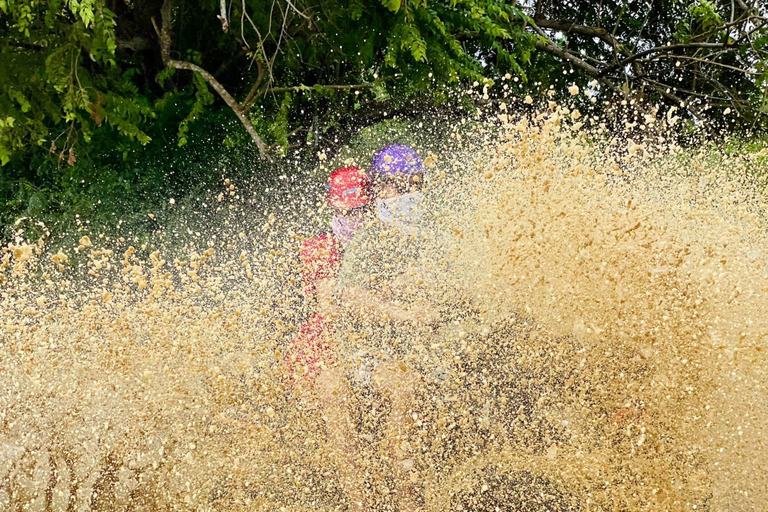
pixel 348 187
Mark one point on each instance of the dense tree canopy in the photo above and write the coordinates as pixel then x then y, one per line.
pixel 704 53
pixel 70 67
pixel 85 64
pixel 100 79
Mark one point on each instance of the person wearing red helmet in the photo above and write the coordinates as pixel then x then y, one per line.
pixel 311 363
pixel 347 192
pixel 311 359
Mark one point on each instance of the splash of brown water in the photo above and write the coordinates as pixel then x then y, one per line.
pixel 616 361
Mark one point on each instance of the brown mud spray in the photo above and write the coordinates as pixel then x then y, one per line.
pixel 614 358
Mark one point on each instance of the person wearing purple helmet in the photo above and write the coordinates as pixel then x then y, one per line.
pixel 382 252
pixel 380 285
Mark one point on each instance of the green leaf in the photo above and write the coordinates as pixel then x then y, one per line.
pixel 356 9
pixel 392 5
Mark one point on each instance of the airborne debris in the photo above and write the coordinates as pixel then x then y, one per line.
pixel 597 340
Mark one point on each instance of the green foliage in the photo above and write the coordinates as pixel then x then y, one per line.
pixel 702 16
pixel 84 93
pixel 115 187
pixel 59 76
pixel 203 98
pixel 64 76
pixel 392 5
pixel 280 127
pixel 703 53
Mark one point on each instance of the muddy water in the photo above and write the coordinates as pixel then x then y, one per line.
pixel 605 350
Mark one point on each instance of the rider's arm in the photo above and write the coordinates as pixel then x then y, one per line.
pixel 367 303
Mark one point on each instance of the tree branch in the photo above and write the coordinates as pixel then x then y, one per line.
pixel 697 50
pixel 551 48
pixel 255 93
pixel 730 24
pixel 708 62
pixel 744 6
pixel 571 26
pixel 228 99
pixel 660 49
pixel 223 16
pixel 601 33
pixel 337 87
pixel 165 51
pixel 665 92
pixel 689 92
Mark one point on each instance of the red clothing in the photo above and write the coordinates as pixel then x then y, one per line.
pixel 321 259
pixel 310 350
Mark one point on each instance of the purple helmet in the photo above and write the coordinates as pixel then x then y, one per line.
pixel 396 159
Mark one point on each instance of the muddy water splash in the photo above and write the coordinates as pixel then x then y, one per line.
pixel 610 356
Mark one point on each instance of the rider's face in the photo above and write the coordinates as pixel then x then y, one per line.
pixel 387 190
pixel 398 186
